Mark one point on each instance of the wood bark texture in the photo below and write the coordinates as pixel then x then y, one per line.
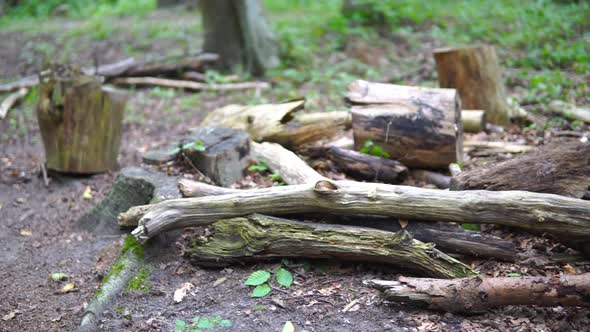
pixel 420 127
pixel 476 295
pixel 558 215
pixel 81 122
pixel 362 166
pixel 239 33
pixel 257 237
pixel 476 73
pixel 561 168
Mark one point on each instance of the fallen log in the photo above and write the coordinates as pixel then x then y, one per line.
pixel 570 111
pixel 420 127
pixel 561 168
pixel 474 121
pixel 190 85
pixel 477 76
pixel 258 237
pixel 11 100
pixel 476 295
pixel 274 123
pixel 440 180
pixel 366 167
pixel 450 238
pixel 558 215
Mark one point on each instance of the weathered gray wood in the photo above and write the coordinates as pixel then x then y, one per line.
pixel 221 154
pixel 558 215
pixel 366 167
pixel 475 295
pixel 561 168
pixel 133 186
pixel 257 237
pixel 440 180
pixel 474 121
pixel 420 127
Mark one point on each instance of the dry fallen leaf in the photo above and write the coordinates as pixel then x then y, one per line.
pixel 180 293
pixel 288 327
pixel 87 193
pixel 10 315
pixel 219 281
pixel 68 287
pixel 403 223
pixel 26 232
pixel 568 269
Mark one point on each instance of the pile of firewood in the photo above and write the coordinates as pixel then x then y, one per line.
pixel 408 131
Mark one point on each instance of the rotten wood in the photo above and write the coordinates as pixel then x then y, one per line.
pixel 81 121
pixel 561 168
pixel 440 180
pixel 11 100
pixel 420 127
pixel 366 167
pixel 477 295
pixel 553 214
pixel 258 237
pixel 476 73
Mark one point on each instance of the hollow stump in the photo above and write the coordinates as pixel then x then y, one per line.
pixel 81 121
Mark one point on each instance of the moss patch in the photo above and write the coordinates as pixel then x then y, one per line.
pixel 141 282
pixel 132 244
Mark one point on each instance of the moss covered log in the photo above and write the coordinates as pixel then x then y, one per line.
pixel 257 237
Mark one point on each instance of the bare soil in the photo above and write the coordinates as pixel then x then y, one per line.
pixel 39 236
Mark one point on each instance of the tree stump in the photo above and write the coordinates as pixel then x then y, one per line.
pixel 420 127
pixel 81 122
pixel 477 75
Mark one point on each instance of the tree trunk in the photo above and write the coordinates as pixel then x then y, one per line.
pixel 476 295
pixel 420 127
pixel 366 167
pixel 238 32
pixel 81 122
pixel 477 75
pixel 257 237
pixel 561 168
pixel 558 215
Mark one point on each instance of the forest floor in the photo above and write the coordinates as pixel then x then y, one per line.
pixel 39 234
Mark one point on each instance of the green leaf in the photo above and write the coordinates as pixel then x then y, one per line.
pixel 59 276
pixel 288 327
pixel 205 323
pixel 514 275
pixel 225 323
pixel 472 227
pixel 368 144
pixel 188 145
pixel 261 290
pixel 260 167
pixel 179 325
pixel 284 278
pixel 275 177
pixel 199 146
pixel 257 278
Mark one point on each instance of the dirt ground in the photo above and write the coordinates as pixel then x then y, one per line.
pixel 39 236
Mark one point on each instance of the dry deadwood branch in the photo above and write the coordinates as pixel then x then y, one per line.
pixel 475 295
pixel 570 111
pixel 257 237
pixel 558 215
pixel 476 74
pixel 420 127
pixel 275 123
pixel 363 166
pixel 497 147
pixel 190 85
pixel 450 238
pixel 11 100
pixel 474 121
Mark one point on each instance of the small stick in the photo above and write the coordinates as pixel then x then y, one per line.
pixel 11 100
pixel 44 172
pixel 190 84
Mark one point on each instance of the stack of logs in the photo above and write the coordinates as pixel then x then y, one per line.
pixel 417 131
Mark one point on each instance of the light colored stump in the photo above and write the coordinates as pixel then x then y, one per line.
pixel 477 75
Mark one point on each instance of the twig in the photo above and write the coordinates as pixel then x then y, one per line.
pixel 44 172
pixel 11 100
pixel 180 84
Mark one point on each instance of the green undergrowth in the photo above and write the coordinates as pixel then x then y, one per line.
pixel 141 282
